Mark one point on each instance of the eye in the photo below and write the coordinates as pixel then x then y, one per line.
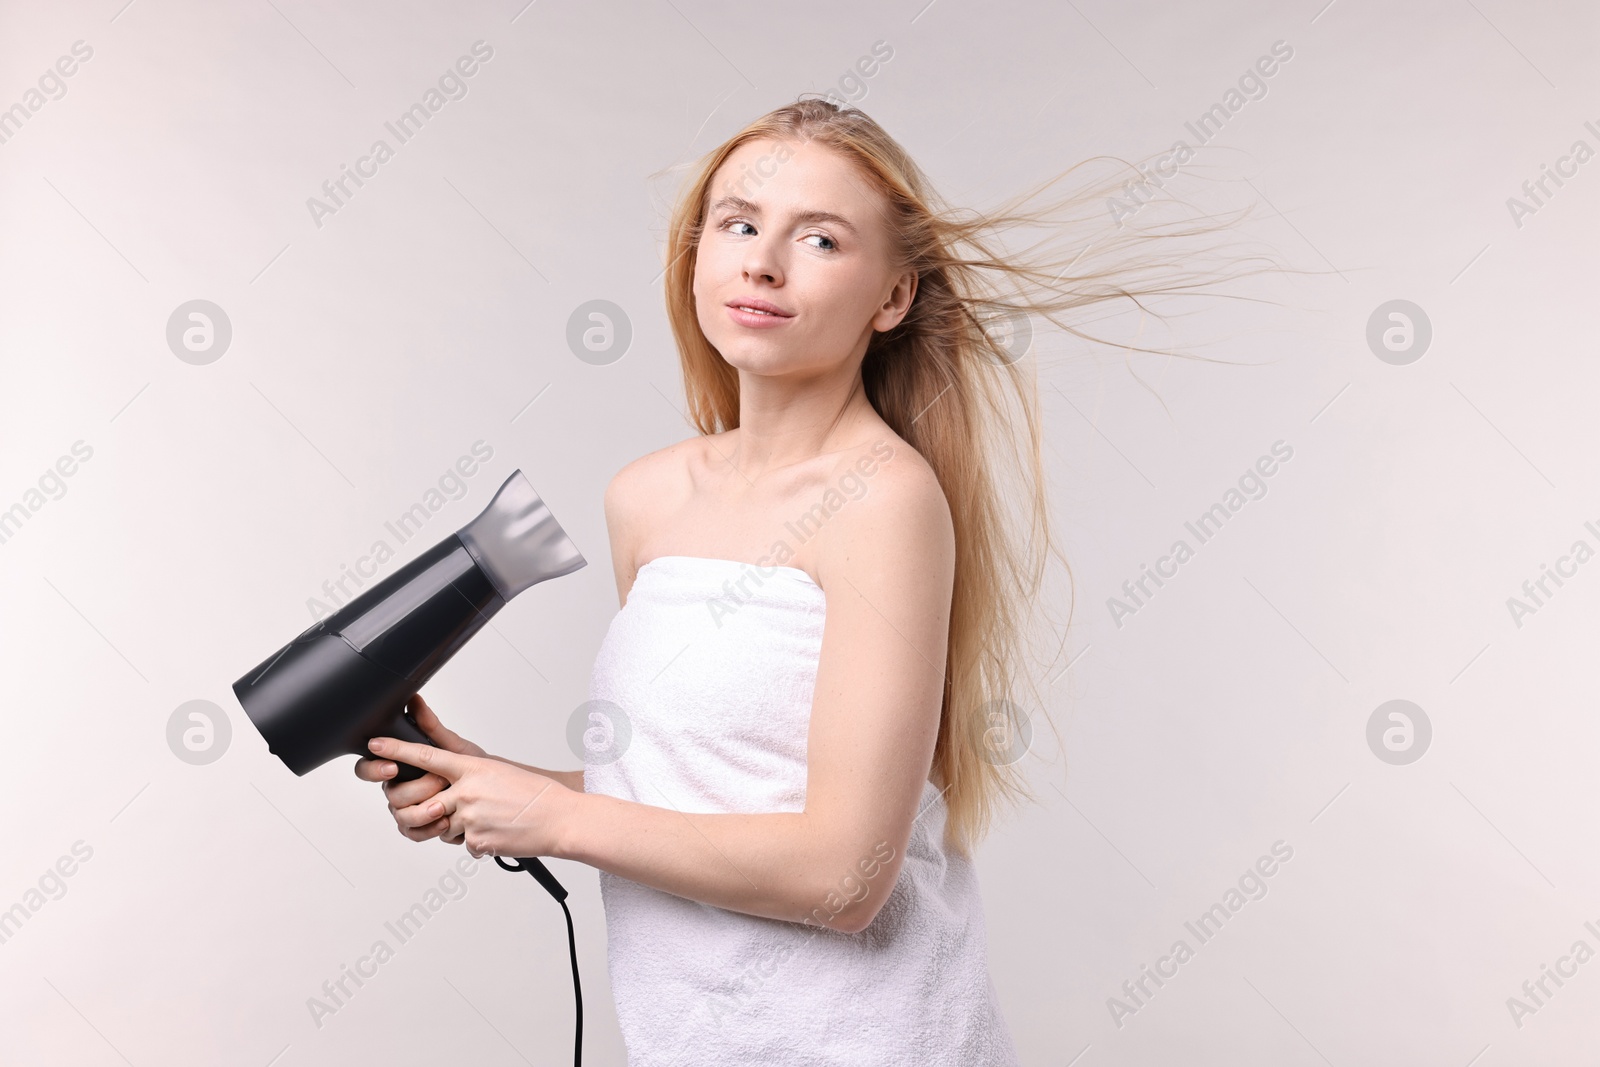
pixel 736 222
pixel 824 237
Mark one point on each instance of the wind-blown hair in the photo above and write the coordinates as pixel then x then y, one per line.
pixel 955 392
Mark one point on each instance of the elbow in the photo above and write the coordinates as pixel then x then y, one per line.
pixel 848 917
pixel 859 916
pixel 851 901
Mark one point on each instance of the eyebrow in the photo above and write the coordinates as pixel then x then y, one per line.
pixel 739 203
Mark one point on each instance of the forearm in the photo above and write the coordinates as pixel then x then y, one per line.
pixel 772 865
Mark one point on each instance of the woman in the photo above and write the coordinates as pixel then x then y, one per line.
pixel 821 616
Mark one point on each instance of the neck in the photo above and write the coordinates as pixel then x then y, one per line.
pixel 784 421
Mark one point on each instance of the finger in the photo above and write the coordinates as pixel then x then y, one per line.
pixel 418 816
pixel 424 833
pixel 437 731
pixel 426 718
pixel 442 805
pixel 450 765
pixel 423 712
pixel 405 794
pixel 369 769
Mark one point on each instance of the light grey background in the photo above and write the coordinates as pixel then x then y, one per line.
pixel 430 312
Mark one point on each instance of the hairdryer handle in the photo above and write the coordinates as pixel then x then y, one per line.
pixel 404 728
pixel 540 872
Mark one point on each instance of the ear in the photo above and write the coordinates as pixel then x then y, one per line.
pixel 897 303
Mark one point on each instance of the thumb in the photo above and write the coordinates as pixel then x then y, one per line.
pixel 437 731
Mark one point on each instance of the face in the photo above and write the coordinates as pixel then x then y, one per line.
pixel 796 228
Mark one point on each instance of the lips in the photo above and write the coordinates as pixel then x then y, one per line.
pixel 760 307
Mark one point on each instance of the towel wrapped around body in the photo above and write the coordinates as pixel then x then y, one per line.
pixel 711 666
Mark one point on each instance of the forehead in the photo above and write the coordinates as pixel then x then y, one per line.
pixel 785 177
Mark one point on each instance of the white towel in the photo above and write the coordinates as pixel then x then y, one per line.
pixel 713 663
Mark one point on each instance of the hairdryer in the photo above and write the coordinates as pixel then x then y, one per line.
pixel 348 678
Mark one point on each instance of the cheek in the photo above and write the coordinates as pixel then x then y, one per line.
pixel 851 300
pixel 702 295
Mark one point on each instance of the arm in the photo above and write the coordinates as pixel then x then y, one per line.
pixel 888 565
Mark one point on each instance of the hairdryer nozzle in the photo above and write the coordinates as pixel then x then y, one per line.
pixel 517 541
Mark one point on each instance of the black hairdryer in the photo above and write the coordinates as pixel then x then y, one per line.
pixel 348 678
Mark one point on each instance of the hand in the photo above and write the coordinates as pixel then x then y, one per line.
pixel 494 807
pixel 409 794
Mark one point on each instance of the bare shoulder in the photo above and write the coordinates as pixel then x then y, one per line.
pixel 642 490
pixel 891 521
pixel 662 477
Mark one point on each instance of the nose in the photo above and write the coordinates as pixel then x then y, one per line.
pixel 761 262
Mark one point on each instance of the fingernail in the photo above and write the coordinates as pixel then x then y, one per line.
pixel 376 745
pixel 436 810
pixel 390 768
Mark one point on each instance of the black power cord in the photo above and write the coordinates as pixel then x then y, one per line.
pixel 543 876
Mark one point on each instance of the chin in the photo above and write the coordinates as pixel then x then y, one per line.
pixel 756 358
pixel 740 357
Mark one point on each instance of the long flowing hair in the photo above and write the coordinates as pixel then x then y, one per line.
pixel 949 381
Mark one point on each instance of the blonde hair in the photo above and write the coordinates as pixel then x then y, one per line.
pixel 949 389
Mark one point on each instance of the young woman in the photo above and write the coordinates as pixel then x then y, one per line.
pixel 822 607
